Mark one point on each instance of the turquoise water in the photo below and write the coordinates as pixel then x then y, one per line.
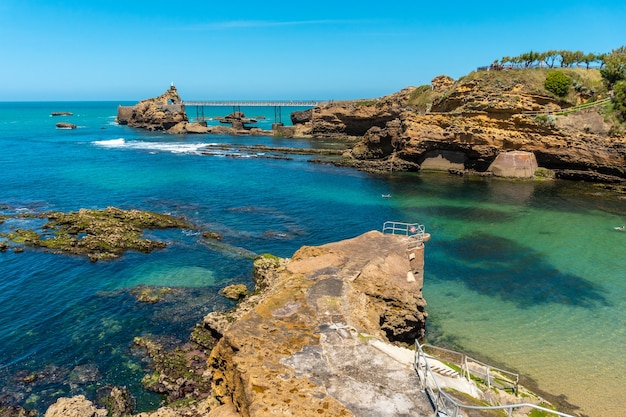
pixel 530 275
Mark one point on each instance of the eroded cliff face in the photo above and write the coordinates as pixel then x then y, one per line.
pixel 293 347
pixel 349 119
pixel 480 137
pixel 467 123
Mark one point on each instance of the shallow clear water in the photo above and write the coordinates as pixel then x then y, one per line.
pixel 530 275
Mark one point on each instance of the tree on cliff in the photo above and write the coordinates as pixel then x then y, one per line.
pixel 619 99
pixel 614 66
pixel 614 74
pixel 553 58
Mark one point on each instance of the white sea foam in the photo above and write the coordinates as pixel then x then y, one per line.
pixel 173 147
pixel 112 143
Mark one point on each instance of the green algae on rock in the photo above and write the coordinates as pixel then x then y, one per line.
pixel 235 291
pixel 178 373
pixel 99 234
pixel 151 294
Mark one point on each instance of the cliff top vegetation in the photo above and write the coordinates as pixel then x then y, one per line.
pixel 565 78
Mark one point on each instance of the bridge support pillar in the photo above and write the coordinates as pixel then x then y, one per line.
pixel 278 115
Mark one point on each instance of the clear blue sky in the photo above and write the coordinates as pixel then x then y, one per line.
pixel 134 49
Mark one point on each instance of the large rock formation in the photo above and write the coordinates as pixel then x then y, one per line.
pixel 160 113
pixel 465 125
pixel 303 346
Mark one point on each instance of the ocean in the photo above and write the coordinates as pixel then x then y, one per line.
pixel 528 275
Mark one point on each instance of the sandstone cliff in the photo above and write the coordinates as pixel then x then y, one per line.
pixel 464 124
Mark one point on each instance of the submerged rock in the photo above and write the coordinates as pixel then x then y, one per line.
pixel 99 234
pixel 151 294
pixel 179 373
pixel 117 400
pixel 16 411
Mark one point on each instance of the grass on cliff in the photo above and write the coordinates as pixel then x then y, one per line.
pixel 587 85
pixel 421 98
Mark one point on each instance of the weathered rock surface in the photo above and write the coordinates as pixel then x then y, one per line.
pixel 235 292
pixel 514 164
pixel 16 411
pixel 77 406
pixel 301 346
pixel 349 119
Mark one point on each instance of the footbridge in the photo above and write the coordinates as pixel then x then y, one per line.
pixel 238 104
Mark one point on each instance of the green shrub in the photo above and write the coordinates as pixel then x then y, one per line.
pixel 558 83
pixel 619 99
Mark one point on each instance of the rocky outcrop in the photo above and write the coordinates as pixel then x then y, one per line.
pixel 160 113
pixel 77 406
pixel 464 125
pixel 16 411
pixel 515 164
pixel 278 354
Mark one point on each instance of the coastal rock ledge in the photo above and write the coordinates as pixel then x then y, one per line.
pixel 307 343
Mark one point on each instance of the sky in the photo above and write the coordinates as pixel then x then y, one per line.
pixel 63 50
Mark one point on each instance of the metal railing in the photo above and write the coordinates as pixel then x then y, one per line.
pixel 444 404
pixel 400 228
pixel 569 110
pixel 487 374
pixel 413 231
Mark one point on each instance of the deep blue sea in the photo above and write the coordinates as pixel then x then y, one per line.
pixel 531 275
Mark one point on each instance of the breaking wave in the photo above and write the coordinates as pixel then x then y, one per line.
pixel 172 147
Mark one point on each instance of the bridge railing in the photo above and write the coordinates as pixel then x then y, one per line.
pixel 446 405
pixel 253 103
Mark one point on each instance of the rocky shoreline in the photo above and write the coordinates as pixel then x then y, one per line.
pixel 458 126
pixel 254 360
pixel 463 126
